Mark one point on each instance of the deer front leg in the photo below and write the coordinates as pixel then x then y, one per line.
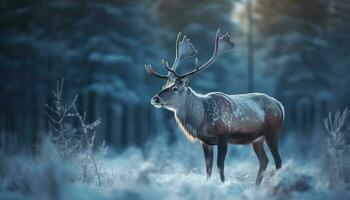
pixel 208 155
pixel 222 150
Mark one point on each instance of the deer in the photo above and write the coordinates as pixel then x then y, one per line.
pixel 215 118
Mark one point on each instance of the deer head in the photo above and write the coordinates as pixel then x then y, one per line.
pixel 174 92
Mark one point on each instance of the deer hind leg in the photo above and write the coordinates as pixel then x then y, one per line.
pixel 272 143
pixel 222 150
pixel 208 155
pixel 260 153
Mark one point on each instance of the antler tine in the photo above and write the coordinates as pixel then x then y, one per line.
pixel 151 71
pixel 184 49
pixel 177 45
pixel 215 53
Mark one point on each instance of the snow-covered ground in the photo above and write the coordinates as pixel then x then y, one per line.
pixel 163 171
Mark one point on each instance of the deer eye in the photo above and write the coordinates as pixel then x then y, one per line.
pixel 174 89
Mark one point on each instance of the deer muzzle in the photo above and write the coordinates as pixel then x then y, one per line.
pixel 156 102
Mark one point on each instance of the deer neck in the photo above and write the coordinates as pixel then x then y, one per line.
pixel 190 114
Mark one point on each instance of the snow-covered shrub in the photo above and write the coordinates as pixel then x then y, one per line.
pixel 337 154
pixel 76 145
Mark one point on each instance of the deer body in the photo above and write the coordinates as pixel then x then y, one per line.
pixel 242 119
pixel 217 118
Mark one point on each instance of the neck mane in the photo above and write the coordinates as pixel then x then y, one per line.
pixel 189 116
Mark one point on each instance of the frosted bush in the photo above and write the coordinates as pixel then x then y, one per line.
pixel 75 144
pixel 337 154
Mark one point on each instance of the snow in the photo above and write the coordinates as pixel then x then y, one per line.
pixel 165 172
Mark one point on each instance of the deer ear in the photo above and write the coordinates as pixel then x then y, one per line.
pixel 185 81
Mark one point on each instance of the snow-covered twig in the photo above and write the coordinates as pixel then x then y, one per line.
pixel 337 127
pixel 89 139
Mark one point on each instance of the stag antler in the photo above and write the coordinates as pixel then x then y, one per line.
pixel 185 49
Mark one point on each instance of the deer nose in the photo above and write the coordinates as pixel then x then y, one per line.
pixel 155 100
